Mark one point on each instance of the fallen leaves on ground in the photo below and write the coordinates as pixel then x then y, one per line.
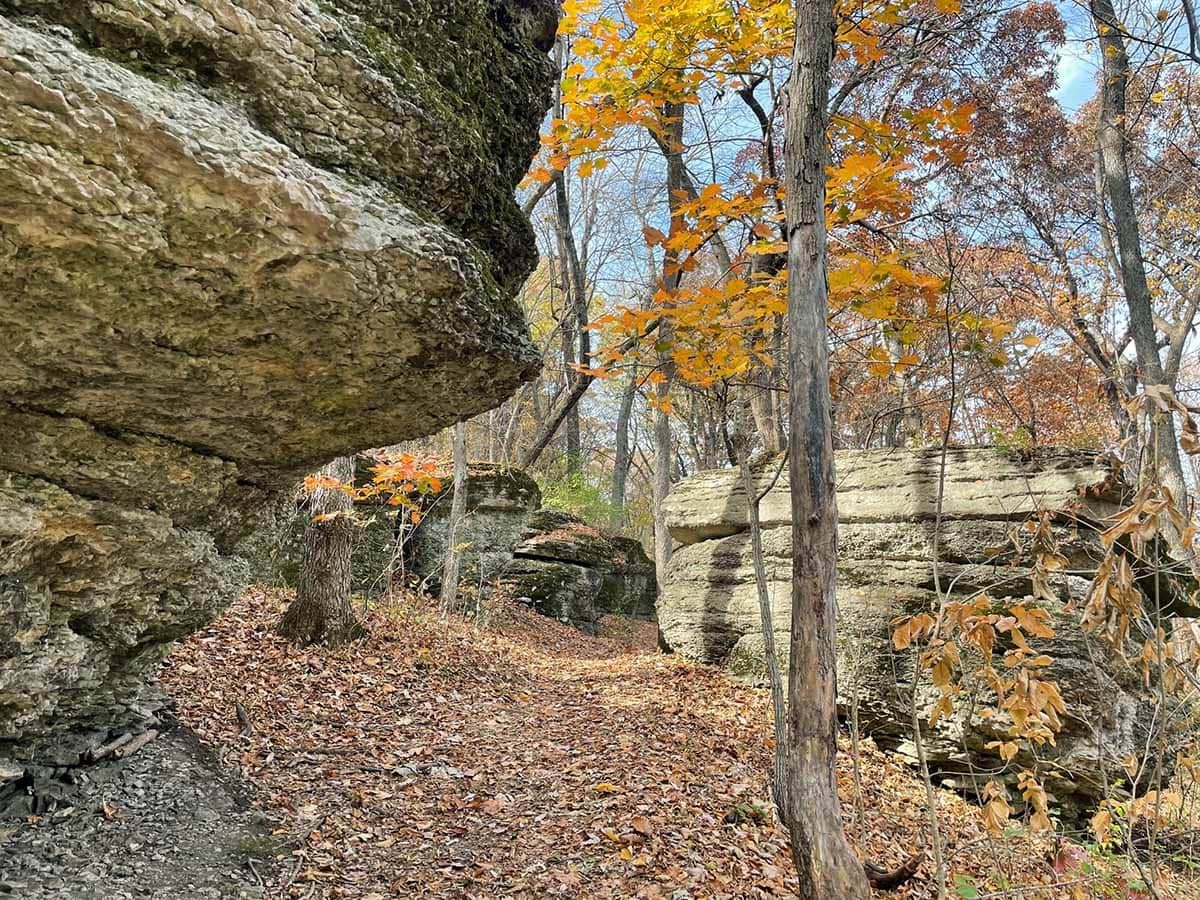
pixel 525 759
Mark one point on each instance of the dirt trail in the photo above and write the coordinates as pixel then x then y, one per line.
pixel 436 759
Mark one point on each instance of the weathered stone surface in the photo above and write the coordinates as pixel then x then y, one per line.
pixel 500 502
pixel 164 822
pixel 560 565
pixel 630 585
pixel 238 238
pixel 278 546
pixel 561 590
pixel 891 485
pixel 708 609
pixel 570 571
pixel 431 98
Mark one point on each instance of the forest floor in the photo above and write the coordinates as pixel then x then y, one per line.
pixel 525 759
pixel 166 823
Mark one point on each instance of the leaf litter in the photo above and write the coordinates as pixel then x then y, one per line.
pixel 525 759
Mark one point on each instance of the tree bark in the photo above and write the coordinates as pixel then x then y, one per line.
pixel 574 285
pixel 664 461
pixel 458 508
pixel 825 864
pixel 1111 138
pixel 621 456
pixel 664 452
pixel 321 612
pixel 761 380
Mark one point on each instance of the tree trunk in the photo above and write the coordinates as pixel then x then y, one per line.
pixel 574 283
pixel 1161 444
pixel 664 451
pixel 567 340
pixel 621 456
pixel 321 612
pixel 664 461
pixel 458 508
pixel 779 774
pixel 904 422
pixel 825 864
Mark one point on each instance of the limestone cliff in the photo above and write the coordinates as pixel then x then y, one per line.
pixel 237 238
pixel 888 504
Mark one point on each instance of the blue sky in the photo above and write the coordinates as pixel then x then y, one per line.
pixel 1077 60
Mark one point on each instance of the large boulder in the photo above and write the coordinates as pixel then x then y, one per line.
pixel 708 609
pixel 238 238
pixel 570 571
pixel 500 502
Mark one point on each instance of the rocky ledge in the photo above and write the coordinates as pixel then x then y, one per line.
pixel 238 238
pixel 550 559
pixel 570 571
pixel 888 503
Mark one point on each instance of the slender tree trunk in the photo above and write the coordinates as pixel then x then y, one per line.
pixel 664 451
pixel 904 423
pixel 458 508
pixel 1111 136
pixel 321 612
pixel 508 444
pixel 621 456
pixel 779 774
pixel 825 864
pixel 664 461
pixel 567 339
pixel 764 408
pixel 574 283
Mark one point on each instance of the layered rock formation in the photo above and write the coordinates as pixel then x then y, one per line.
pixel 500 502
pixel 238 238
pixel 552 560
pixel 570 571
pixel 887 500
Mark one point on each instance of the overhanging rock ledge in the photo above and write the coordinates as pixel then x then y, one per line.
pixel 237 238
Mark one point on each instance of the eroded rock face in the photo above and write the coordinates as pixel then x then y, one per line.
pixel 708 608
pixel 570 571
pixel 500 502
pixel 552 560
pixel 238 238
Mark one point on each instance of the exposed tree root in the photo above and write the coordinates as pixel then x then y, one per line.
pixel 883 880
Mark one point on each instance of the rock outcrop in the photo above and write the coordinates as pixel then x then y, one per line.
pixel 277 554
pixel 238 238
pixel 708 608
pixel 570 571
pixel 500 502
pixel 552 560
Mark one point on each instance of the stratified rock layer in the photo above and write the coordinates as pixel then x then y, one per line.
pixel 708 608
pixel 500 502
pixel 570 571
pixel 551 560
pixel 238 238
